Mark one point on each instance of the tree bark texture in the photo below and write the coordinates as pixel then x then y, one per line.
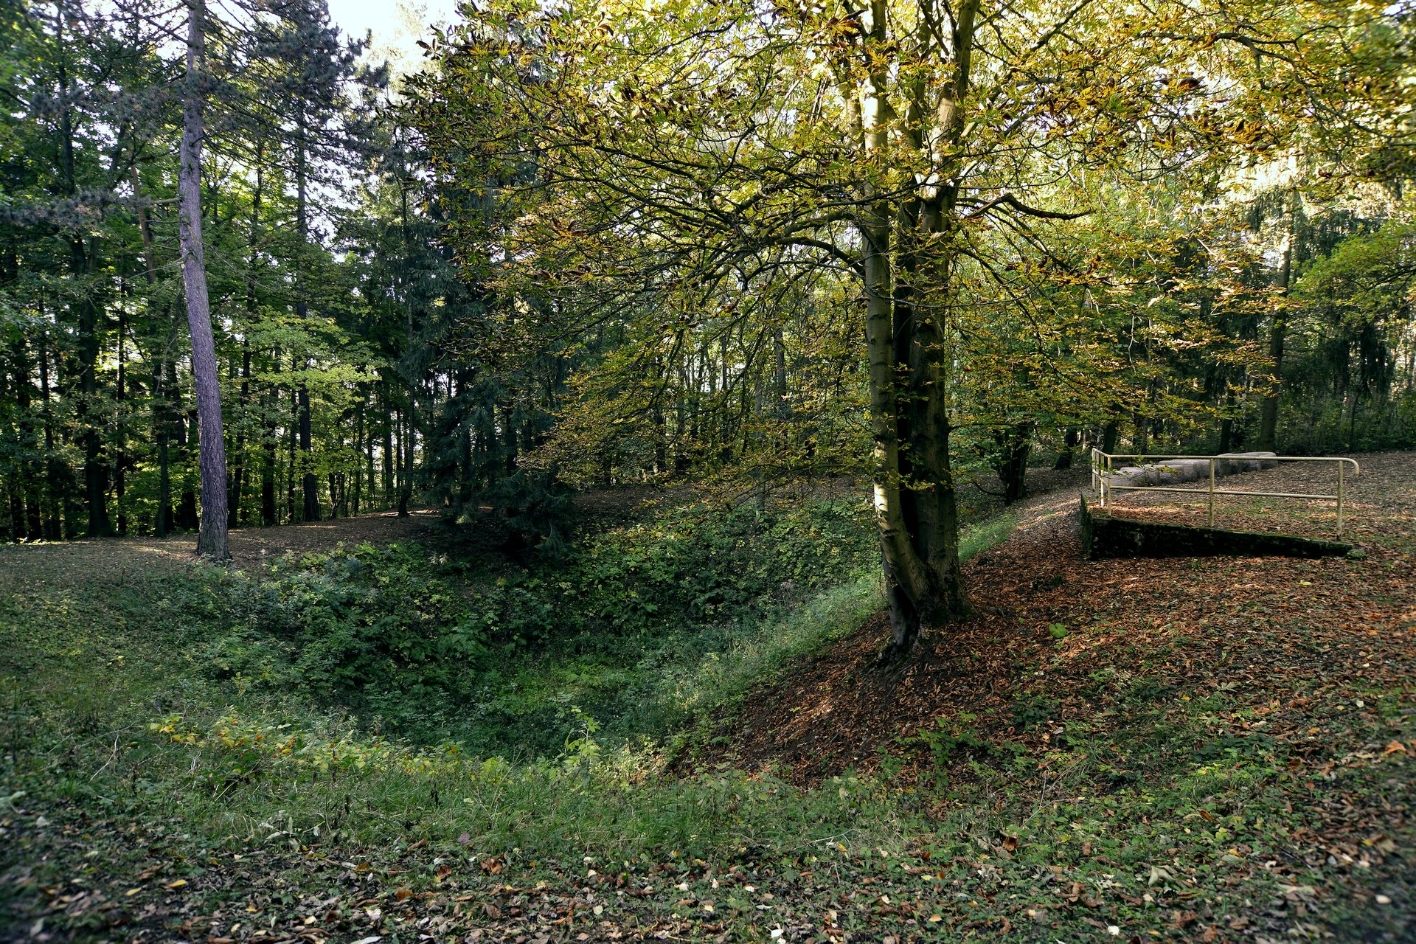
pixel 211 536
pixel 906 336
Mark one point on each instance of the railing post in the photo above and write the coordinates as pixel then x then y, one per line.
pixel 1211 494
pixel 1341 468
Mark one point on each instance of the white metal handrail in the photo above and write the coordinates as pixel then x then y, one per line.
pixel 1103 471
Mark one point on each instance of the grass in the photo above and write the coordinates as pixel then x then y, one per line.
pixel 142 796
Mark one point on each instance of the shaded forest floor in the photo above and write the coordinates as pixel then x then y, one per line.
pixel 594 510
pixel 1217 749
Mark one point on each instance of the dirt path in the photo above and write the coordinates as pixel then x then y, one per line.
pixel 116 558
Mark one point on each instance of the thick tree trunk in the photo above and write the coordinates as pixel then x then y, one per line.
pixel 211 538
pixel 908 374
pixel 914 506
pixel 1110 436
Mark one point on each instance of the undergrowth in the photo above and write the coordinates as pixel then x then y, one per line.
pixel 637 628
pixel 206 752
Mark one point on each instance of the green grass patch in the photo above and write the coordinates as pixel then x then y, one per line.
pixel 159 724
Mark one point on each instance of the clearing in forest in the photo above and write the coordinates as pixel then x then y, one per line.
pixel 1214 749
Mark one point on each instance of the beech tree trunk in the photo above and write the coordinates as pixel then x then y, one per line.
pixel 909 381
pixel 211 536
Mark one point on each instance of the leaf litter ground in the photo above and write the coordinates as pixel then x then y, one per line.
pixel 1214 750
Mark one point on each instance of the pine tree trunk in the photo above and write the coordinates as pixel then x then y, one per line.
pixel 54 477
pixel 253 261
pixel 310 485
pixel 120 465
pixel 358 489
pixel 388 456
pixel 238 478
pixel 162 521
pixel 294 440
pixel 405 492
pixel 211 537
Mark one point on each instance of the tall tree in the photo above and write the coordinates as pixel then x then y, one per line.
pixel 674 147
pixel 212 539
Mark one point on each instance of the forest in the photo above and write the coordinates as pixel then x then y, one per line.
pixel 642 438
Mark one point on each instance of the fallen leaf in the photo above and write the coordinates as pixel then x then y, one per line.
pixel 177 884
pixel 403 894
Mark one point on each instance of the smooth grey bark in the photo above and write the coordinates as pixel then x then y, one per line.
pixel 908 375
pixel 211 536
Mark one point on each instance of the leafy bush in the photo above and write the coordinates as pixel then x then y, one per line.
pixel 633 626
pixel 349 622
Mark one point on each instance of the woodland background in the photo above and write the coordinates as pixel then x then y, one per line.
pixel 387 335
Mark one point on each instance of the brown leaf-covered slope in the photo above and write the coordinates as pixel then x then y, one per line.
pixel 1273 632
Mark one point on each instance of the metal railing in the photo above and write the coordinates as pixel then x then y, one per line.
pixel 1103 472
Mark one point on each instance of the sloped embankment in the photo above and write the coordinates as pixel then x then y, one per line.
pixel 1073 637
